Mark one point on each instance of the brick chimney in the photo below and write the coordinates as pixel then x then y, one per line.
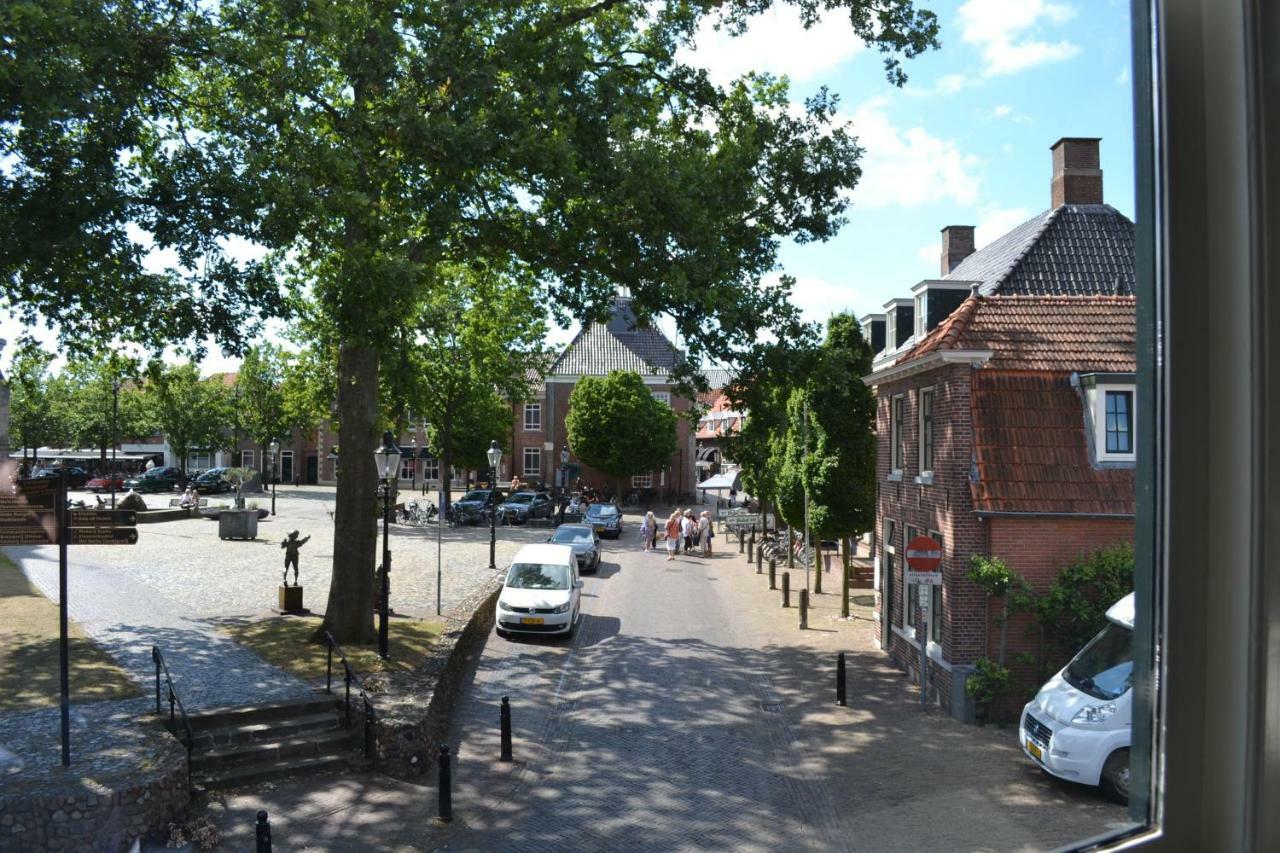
pixel 1077 176
pixel 957 244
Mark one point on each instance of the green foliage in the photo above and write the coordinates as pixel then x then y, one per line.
pixel 258 398
pixel 86 404
pixel 988 682
pixel 991 574
pixel 1075 607
pixel 32 421
pixel 479 421
pixel 616 426
pixel 192 413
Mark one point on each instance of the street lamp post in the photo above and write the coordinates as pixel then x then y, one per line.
pixel 273 449
pixel 413 484
pixel 564 469
pixel 495 456
pixel 387 458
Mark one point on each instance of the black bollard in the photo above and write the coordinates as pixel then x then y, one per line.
pixel 840 693
pixel 446 785
pixel 751 547
pixel 804 609
pixel 773 574
pixel 760 561
pixel 262 832
pixel 506 729
pixel 786 589
pixel 742 541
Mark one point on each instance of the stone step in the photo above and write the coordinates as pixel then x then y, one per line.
pixel 277 729
pixel 244 774
pixel 289 750
pixel 240 715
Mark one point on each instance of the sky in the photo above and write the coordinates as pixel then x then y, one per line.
pixel 964 142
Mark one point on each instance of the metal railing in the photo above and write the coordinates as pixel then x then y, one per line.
pixel 174 703
pixel 349 677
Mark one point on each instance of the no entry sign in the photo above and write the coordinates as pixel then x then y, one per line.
pixel 924 555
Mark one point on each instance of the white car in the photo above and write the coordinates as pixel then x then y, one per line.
pixel 1078 726
pixel 541 593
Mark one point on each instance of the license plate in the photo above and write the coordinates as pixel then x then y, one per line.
pixel 599 529
pixel 531 620
pixel 1035 750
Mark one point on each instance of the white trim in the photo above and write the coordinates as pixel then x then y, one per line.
pixel 528 408
pixel 893 371
pixel 934 651
pixel 908 634
pixel 941 284
pixel 896 425
pixel 1100 421
pixel 926 474
pixel 572 378
pixel 896 302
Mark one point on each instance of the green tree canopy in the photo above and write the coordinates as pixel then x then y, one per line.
pixel 33 421
pixel 258 399
pixel 99 400
pixel 193 413
pixel 617 426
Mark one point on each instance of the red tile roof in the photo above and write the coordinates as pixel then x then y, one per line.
pixel 1061 333
pixel 1030 451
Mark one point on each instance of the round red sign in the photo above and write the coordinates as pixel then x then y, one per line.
pixel 924 554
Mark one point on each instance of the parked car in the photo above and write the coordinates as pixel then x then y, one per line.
pixel 605 519
pixel 76 476
pixel 582 539
pixel 541 592
pixel 1078 726
pixel 161 479
pixel 213 482
pixel 470 505
pixel 105 483
pixel 523 506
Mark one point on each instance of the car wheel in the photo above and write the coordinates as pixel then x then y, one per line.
pixel 573 627
pixel 506 635
pixel 1116 776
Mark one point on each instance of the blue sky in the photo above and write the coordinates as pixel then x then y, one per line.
pixel 966 142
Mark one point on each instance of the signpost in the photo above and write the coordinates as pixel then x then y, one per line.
pixel 924 556
pixel 36 513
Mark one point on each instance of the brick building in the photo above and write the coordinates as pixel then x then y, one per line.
pixel 1005 417
pixel 599 348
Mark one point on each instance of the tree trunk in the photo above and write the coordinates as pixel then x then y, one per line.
pixel 446 467
pixel 844 577
pixel 349 612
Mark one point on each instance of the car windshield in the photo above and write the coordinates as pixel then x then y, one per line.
pixel 522 498
pixel 1104 668
pixel 602 511
pixel 568 535
pixel 538 576
pixel 475 496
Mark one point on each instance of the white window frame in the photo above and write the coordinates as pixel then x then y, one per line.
pixel 662 397
pixel 528 453
pixel 926 471
pixel 280 470
pixel 199 459
pixel 430 468
pixel 897 456
pixel 1100 422
pixel 407 471
pixel 534 423
pixel 936 593
pixel 890 552
pixel 247 459
pixel 642 481
pixel 910 591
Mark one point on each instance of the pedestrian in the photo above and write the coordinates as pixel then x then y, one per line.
pixel 652 521
pixel 672 534
pixel 704 533
pixel 646 531
pixel 687 527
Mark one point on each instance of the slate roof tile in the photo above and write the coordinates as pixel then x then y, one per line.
pixel 600 348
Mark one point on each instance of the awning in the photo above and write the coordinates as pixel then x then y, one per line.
pixel 720 482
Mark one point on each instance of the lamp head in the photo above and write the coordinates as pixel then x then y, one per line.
pixel 387 457
pixel 495 454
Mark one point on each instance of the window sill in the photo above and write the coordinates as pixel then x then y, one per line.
pixel 894 477
pixel 908 634
pixel 935 654
pixel 925 479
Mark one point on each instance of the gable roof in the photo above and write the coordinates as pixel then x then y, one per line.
pixel 1073 249
pixel 617 344
pixel 1060 333
pixel 1030 453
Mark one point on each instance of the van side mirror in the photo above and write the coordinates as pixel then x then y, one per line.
pixel 578 584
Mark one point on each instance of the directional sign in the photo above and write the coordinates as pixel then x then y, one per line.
pixel 31 485
pixel 103 518
pixel 28 535
pixel 103 536
pixel 41 500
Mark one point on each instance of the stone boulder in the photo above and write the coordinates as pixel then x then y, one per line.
pixel 132 500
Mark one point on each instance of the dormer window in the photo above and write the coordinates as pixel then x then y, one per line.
pixel 1109 404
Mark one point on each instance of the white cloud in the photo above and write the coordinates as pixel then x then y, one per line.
pixel 909 166
pixel 817 298
pixel 1122 79
pixel 948 84
pixel 1004 32
pixel 775 42
pixel 930 253
pixel 995 222
pixel 1002 110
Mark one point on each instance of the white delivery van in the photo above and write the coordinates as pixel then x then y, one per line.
pixel 1078 726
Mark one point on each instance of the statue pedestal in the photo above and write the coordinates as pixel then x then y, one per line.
pixel 291 602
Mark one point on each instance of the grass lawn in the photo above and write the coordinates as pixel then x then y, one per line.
pixel 29 652
pixel 285 641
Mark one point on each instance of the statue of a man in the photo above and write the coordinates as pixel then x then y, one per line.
pixel 291 546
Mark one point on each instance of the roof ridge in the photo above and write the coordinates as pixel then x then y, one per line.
pixel 1027 246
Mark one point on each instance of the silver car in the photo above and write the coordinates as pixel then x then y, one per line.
pixel 582 539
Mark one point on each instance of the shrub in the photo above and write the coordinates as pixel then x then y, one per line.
pixel 988 682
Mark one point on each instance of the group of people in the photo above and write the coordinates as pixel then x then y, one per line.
pixel 682 529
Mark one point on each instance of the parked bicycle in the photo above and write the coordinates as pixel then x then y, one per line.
pixel 417 513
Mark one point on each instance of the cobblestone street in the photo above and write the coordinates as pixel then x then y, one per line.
pixel 689 713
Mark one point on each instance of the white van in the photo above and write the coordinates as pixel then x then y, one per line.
pixel 541 593
pixel 1078 726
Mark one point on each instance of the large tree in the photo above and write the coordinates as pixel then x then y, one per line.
pixel 379 143
pixel 98 401
pixel 258 398
pixel 618 427
pixel 33 422
pixel 193 413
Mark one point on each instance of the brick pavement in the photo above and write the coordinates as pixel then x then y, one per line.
pixel 690 713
